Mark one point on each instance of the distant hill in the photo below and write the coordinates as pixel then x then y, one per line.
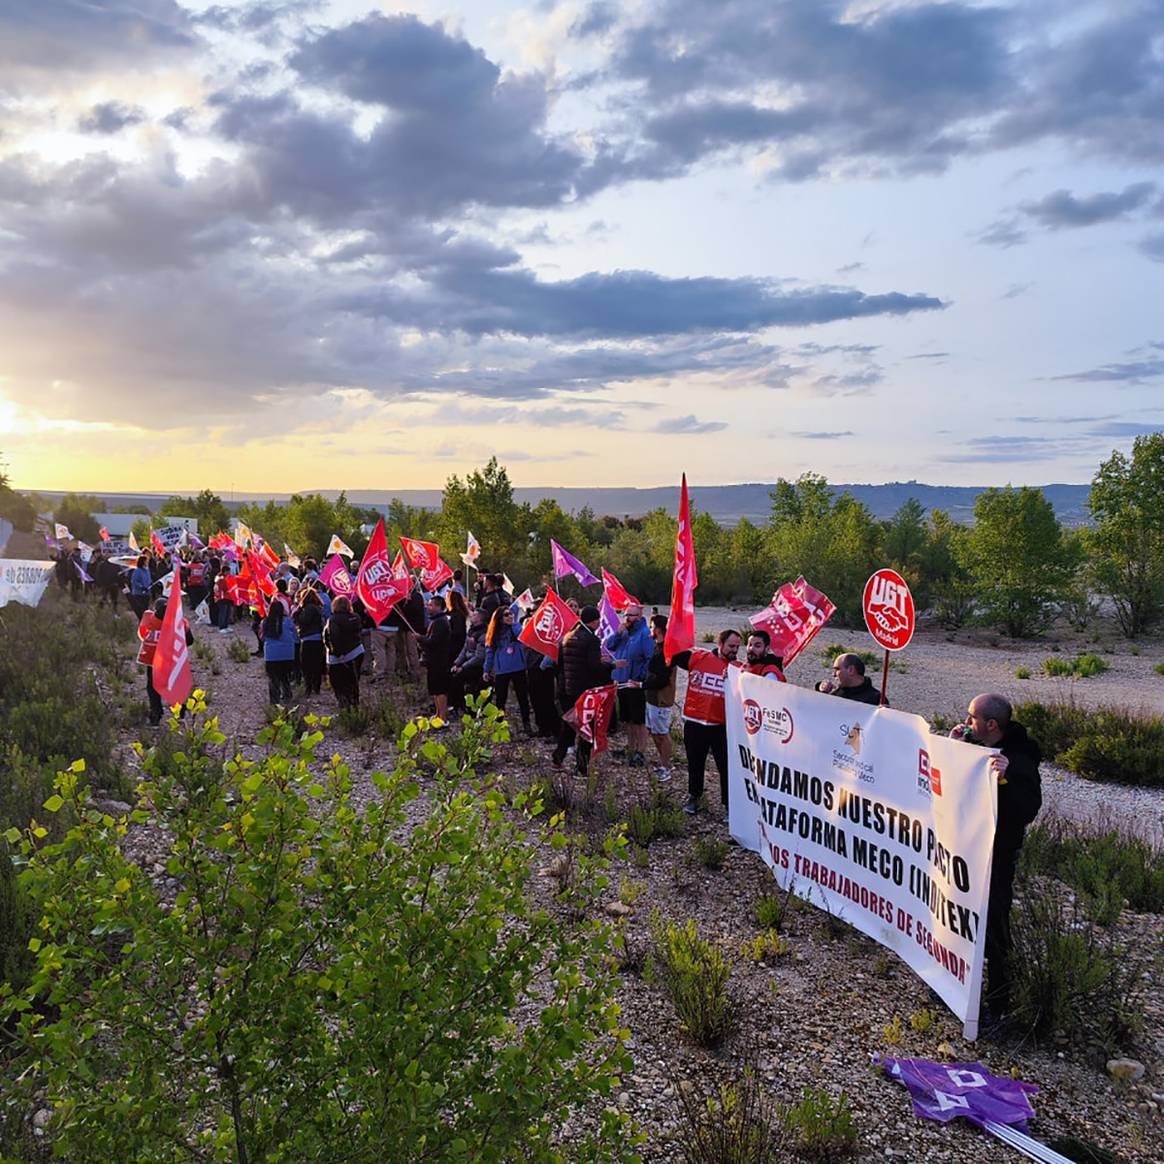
pixel 726 503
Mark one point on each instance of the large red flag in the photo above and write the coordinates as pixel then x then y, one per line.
pixel 378 584
pixel 172 677
pixel 543 632
pixel 268 555
pixel 435 578
pixel 592 714
pixel 616 593
pixel 681 622
pixel 260 573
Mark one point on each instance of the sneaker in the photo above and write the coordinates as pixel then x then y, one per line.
pixel 662 774
pixel 691 807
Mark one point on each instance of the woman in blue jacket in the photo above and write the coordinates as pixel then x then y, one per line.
pixel 505 663
pixel 278 651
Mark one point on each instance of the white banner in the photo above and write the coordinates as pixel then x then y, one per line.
pixel 172 536
pixel 865 813
pixel 23 581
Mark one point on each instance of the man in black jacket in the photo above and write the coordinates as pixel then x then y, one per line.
pixel 849 681
pixel 1020 796
pixel 435 648
pixel 580 667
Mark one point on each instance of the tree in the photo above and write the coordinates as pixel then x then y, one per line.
pixel 207 508
pixel 484 503
pixel 1017 559
pixel 76 511
pixel 1127 544
pixel 330 980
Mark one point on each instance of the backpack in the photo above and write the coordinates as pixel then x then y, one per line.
pixel 273 623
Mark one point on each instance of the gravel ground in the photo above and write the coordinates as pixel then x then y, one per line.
pixel 814 1016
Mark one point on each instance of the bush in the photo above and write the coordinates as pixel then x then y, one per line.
pixel 237 651
pixel 820 1129
pixel 1067 975
pixel 772 909
pixel 694 975
pixel 1107 868
pixel 1022 673
pixel 736 1127
pixel 1159 668
pixel 1057 668
pixel 1106 744
pixel 327 973
pixel 1085 666
pixel 710 852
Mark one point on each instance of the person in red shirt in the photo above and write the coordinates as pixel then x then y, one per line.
pixel 761 661
pixel 149 630
pixel 704 716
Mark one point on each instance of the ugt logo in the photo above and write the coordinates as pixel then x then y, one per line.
pixel 753 716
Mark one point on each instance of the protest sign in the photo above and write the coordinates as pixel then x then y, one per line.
pixel 866 814
pixel 888 607
pixel 23 580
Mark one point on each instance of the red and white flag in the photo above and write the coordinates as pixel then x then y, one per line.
pixel 157 542
pixel 379 585
pixel 337 545
pixel 268 554
pixel 172 677
pixel 543 631
pixel 681 623
pixel 793 618
pixel 104 534
pixel 616 593
pixel 336 578
pixel 421 555
pixel 590 716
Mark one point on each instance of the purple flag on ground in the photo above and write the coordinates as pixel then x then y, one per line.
pixel 945 1091
pixel 565 563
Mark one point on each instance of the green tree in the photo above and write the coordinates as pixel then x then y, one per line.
pixel 76 511
pixel 331 980
pixel 1017 558
pixel 207 508
pixel 484 503
pixel 945 568
pixel 1127 543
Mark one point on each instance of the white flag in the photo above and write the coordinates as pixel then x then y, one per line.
pixel 338 546
pixel 291 556
pixel 472 552
pixel 62 532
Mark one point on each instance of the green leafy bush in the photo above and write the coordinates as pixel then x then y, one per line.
pixel 1022 673
pixel 1159 668
pixel 237 651
pixel 1057 668
pixel 327 974
pixel 1106 744
pixel 734 1127
pixel 710 852
pixel 1085 666
pixel 694 974
pixel 819 1127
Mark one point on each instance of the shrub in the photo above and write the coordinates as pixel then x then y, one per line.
pixel 1159 668
pixel 1057 668
pixel 694 974
pixel 1022 673
pixel 1106 744
pixel 237 651
pixel 765 946
pixel 352 721
pixel 871 659
pixel 735 1127
pixel 201 1025
pixel 1085 666
pixel 771 909
pixel 820 1129
pixel 1067 975
pixel 710 852
pixel 922 1021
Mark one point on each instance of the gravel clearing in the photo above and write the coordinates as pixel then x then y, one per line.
pixel 814 1016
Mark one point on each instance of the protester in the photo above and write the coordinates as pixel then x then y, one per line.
pixel 308 618
pixel 542 680
pixel 659 686
pixel 580 667
pixel 149 631
pixel 492 595
pixel 760 660
pixel 1020 796
pixel 631 648
pixel 505 663
pixel 849 681
pixel 343 650
pixel 141 581
pixel 465 675
pixel 278 651
pixel 434 648
pixel 704 715
pixel 458 611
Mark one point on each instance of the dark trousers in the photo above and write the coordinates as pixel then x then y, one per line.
pixel 155 699
pixel 345 682
pixel 998 936
pixel 463 683
pixel 543 696
pixel 139 603
pixel 568 737
pixel 311 663
pixel 279 680
pixel 501 685
pixel 698 740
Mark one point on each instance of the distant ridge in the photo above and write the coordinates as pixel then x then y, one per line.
pixel 726 503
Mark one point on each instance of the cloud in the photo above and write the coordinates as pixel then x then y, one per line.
pixel 1152 247
pixel 821 436
pixel 1007 450
pixel 1126 372
pixel 688 426
pixel 1126 428
pixel 110 117
pixel 929 356
pixel 1062 209
pixel 1004 233
pixel 1015 290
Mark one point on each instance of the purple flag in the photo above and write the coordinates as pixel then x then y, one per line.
pixel 196 541
pixel 945 1091
pixel 336 578
pixel 51 542
pixel 81 570
pixel 607 618
pixel 565 563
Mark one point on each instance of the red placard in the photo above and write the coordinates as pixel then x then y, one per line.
pixel 888 607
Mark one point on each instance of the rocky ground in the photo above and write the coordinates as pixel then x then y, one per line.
pixel 813 1016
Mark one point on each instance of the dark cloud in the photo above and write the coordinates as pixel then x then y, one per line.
pixel 110 117
pixel 598 18
pixel 257 17
pixel 1005 233
pixel 1062 209
pixel 929 356
pixel 1152 247
pixel 54 36
pixel 688 426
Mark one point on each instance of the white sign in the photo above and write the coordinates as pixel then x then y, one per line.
pixel 23 581
pixel 866 814
pixel 172 536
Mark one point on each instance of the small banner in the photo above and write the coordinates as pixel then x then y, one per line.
pixel 23 580
pixel 543 631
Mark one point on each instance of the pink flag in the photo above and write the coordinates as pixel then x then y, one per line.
pixel 336 578
pixel 565 563
pixel 172 677
pixel 681 624
pixel 378 585
pixel 620 597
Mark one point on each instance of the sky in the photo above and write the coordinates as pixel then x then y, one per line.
pixel 282 246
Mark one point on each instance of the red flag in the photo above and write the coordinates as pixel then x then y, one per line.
pixel 543 632
pixel 421 555
pixel 104 534
pixel 157 542
pixel 379 585
pixel 435 578
pixel 260 573
pixel 793 618
pixel 172 677
pixel 616 594
pixel 268 555
pixel 681 623
pixel 591 715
